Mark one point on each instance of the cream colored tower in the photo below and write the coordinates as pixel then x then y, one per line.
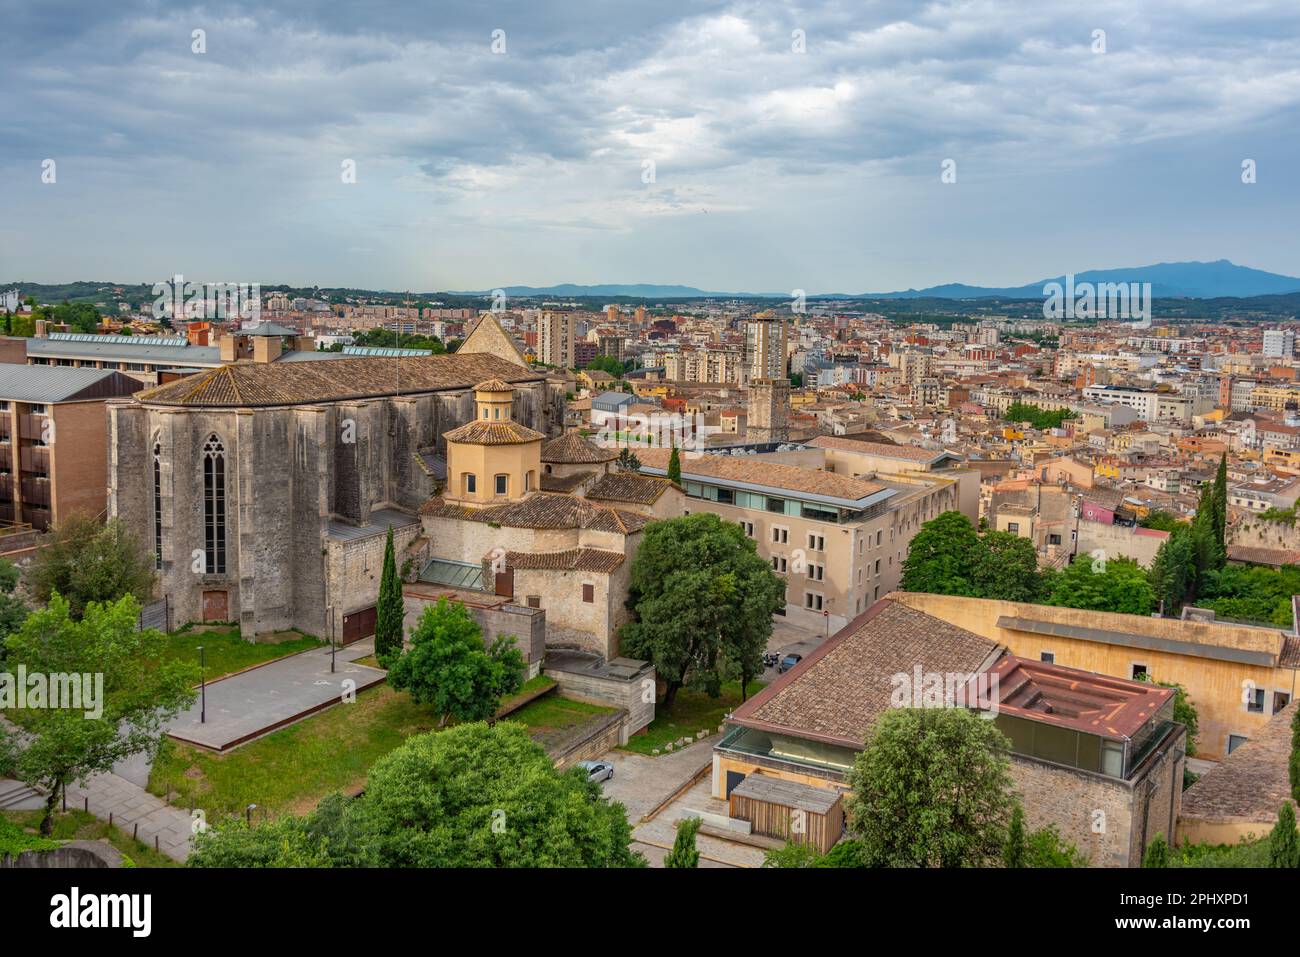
pixel 493 459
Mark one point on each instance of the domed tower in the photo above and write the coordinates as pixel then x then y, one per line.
pixel 493 459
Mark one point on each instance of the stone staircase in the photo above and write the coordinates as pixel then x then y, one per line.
pixel 16 796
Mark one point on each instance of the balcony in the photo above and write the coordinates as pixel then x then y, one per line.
pixel 35 458
pixel 33 426
pixel 36 493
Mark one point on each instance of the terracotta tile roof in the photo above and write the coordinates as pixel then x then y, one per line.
pixel 839 690
pixel 1256 555
pixel 1249 784
pixel 569 560
pixel 764 473
pixel 563 483
pixel 909 452
pixel 573 448
pixel 482 432
pixel 628 487
pixel 542 510
pixel 494 385
pixel 246 384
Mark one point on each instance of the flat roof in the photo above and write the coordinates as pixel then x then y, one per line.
pixel 1134 640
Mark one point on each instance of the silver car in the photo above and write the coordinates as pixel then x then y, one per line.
pixel 597 770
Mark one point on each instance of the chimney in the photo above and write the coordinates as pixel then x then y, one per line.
pixel 42 329
pixel 229 346
pixel 266 348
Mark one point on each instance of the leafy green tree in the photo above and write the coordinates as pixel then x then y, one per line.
pixel 88 562
pixel 1116 584
pixel 792 854
pixel 702 601
pixel 932 788
pixel 607 364
pixel 448 667
pixel 390 611
pixel 675 467
pixel 684 853
pixel 941 557
pixel 1046 848
pixel 1293 766
pixel 1006 568
pixel 1036 417
pixel 1283 842
pixel 469 796
pixel 12 609
pixel 627 461
pixel 141 690
pixel 1173 572
pixel 1013 852
pixel 1157 853
pixel 1161 520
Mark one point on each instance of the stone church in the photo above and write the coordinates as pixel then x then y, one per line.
pixel 266 490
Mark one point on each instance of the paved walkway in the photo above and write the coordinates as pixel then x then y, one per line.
pixel 109 796
pixel 128 804
pixel 255 702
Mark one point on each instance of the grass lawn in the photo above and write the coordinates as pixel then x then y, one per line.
pixel 80 826
pixel 553 713
pixel 291 769
pixel 224 652
pixel 531 686
pixel 692 713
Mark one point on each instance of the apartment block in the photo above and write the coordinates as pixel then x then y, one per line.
pixel 54 442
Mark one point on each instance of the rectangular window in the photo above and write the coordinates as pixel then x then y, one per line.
pixel 501 484
pixel 1139 672
pixel 817 543
pixel 534 601
pixel 1053 539
pixel 1235 741
pixel 1255 701
pixel 1047 657
pixel 471 483
pixel 588 592
pixel 812 601
pixel 1280 700
pixel 780 536
pixel 749 528
pixel 1013 528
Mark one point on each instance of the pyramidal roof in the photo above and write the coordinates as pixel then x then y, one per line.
pixel 573 448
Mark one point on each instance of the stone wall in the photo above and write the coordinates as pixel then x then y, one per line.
pixel 1257 533
pixel 627 695
pixel 526 625
pixel 1073 800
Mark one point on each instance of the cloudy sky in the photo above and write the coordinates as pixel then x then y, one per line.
pixel 757 146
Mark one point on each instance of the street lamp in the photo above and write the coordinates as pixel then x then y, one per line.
pixel 203 685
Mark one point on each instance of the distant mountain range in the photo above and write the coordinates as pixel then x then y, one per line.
pixel 1187 280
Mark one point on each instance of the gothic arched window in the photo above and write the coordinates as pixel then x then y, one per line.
pixel 157 504
pixel 214 506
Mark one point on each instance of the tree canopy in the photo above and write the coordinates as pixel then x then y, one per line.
pixel 141 690
pixel 448 667
pixel 932 788
pixel 702 601
pixel 948 557
pixel 1115 584
pixel 88 562
pixel 469 796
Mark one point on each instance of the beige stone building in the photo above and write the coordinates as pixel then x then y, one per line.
pixel 837 540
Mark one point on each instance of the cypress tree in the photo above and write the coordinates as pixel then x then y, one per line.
pixel 684 853
pixel 391 609
pixel 1221 509
pixel 1283 842
pixel 675 467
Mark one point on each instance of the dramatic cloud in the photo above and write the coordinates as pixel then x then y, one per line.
pixel 726 145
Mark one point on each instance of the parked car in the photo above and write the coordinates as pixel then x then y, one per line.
pixel 788 662
pixel 597 770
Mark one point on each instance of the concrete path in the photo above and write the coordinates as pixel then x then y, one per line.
pixel 107 794
pixel 251 703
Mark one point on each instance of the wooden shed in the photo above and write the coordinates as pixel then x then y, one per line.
pixel 789 810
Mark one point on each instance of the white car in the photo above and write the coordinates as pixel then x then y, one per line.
pixel 597 770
